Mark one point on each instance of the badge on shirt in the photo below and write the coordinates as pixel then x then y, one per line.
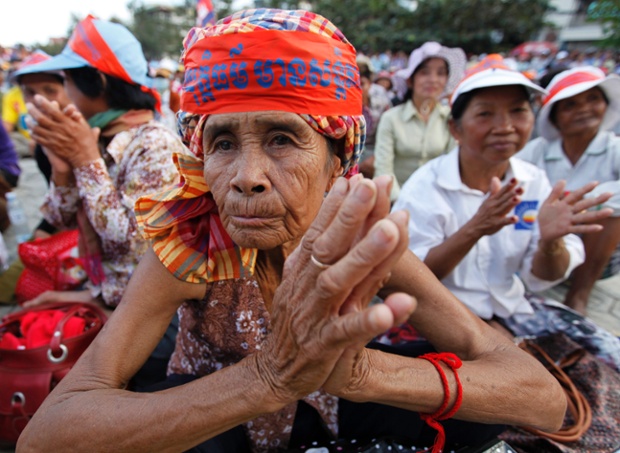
pixel 526 211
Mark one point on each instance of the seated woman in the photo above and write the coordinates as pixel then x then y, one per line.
pixel 272 279
pixel 411 134
pixel 106 151
pixel 489 225
pixel 577 145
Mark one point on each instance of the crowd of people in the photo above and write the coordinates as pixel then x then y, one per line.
pixel 264 256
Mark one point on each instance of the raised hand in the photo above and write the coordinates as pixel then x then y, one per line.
pixel 492 215
pixel 562 214
pixel 320 309
pixel 64 134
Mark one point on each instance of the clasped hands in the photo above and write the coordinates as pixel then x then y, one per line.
pixel 321 317
pixel 67 139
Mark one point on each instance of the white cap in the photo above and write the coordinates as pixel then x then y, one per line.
pixel 493 72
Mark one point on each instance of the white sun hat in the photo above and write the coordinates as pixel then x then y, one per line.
pixel 493 71
pixel 454 57
pixel 573 82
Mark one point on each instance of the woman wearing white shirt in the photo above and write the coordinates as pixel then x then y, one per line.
pixel 577 145
pixel 488 224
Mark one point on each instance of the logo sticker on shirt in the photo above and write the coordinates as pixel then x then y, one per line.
pixel 526 211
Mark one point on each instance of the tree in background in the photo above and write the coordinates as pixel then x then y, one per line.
pixel 373 25
pixel 607 12
pixel 475 25
pixel 480 25
pixel 161 29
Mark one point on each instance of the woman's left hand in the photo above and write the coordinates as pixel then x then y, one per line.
pixel 348 375
pixel 560 215
pixel 65 133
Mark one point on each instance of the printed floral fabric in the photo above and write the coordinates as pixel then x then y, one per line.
pixel 137 162
pixel 230 323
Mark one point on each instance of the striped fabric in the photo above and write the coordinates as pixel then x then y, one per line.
pixel 183 222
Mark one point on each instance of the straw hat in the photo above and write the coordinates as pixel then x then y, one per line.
pixel 573 82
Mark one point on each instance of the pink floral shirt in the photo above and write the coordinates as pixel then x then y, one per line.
pixel 231 323
pixel 137 162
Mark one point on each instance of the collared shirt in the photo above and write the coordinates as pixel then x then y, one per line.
pixel 600 162
pixel 137 162
pixel 492 277
pixel 405 142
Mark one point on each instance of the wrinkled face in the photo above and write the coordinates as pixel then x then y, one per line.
pixel 495 125
pixel 46 85
pixel 430 78
pixel 580 114
pixel 268 172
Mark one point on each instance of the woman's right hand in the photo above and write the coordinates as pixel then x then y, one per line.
pixel 492 215
pixel 311 325
pixel 58 164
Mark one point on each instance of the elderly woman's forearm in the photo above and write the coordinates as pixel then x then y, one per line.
pixel 136 422
pixel 506 386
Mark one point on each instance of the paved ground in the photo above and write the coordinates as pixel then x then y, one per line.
pixel 604 307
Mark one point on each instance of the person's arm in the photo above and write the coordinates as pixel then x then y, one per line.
pixel 489 219
pixel 501 383
pixel 146 166
pixel 90 410
pixel 560 215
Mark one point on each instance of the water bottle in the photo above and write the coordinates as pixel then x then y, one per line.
pixel 19 222
pixel 4 255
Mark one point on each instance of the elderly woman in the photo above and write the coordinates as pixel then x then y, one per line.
pixel 411 134
pixel 489 225
pixel 273 279
pixel 578 146
pixel 104 155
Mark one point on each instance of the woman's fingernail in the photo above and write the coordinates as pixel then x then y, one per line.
pixel 381 233
pixel 401 217
pixel 340 186
pixel 363 192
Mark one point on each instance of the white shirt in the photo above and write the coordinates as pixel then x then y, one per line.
pixel 600 162
pixel 492 277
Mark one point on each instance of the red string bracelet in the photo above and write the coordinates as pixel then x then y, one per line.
pixel 432 420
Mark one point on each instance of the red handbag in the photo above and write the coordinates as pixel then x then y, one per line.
pixel 49 264
pixel 38 347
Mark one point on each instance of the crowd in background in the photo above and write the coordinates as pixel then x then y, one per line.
pixel 472 203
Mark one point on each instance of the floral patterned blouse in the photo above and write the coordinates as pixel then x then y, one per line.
pixel 230 323
pixel 137 162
